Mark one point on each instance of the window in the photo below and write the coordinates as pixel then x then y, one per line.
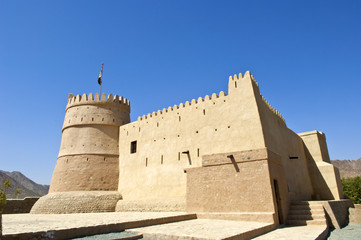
pixel 133 147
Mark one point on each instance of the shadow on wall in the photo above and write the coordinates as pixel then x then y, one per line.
pixel 321 190
pixel 233 162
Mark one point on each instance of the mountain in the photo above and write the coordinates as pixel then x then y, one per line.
pixel 348 168
pixel 27 187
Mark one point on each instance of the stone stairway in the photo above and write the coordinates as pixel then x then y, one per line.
pixel 306 213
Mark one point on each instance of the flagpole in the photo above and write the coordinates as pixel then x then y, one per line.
pixel 100 80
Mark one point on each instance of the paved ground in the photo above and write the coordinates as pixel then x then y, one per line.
pixel 22 223
pixel 350 232
pixel 294 233
pixel 199 229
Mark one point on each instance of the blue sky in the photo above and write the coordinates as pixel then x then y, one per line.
pixel 306 56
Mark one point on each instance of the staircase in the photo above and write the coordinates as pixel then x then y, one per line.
pixel 306 213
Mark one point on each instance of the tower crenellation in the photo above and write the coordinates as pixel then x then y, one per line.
pixel 90 99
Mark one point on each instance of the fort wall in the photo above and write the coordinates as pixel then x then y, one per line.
pixel 324 176
pixel 89 152
pixel 170 140
pixel 283 141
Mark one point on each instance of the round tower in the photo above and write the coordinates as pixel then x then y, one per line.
pixel 88 160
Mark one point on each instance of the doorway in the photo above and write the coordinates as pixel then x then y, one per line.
pixel 278 200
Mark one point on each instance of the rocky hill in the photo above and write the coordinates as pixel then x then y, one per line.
pixel 348 168
pixel 27 187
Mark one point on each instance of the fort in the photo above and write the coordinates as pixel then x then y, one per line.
pixel 225 156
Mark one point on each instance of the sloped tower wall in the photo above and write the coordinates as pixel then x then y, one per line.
pixel 88 156
pixel 88 160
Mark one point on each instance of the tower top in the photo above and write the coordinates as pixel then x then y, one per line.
pixel 90 99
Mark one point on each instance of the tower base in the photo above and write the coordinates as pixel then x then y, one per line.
pixel 77 202
pixel 152 205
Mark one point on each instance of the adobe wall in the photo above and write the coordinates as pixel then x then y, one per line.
pixel 13 206
pixel 289 146
pixel 324 175
pixel 88 156
pixel 216 124
pixel 238 185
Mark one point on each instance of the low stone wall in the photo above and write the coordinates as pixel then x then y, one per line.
pixel 19 205
pixel 336 211
pixel 355 215
pixel 357 206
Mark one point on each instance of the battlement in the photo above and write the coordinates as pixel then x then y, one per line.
pixel 90 99
pixel 183 105
pixel 272 109
pixel 247 75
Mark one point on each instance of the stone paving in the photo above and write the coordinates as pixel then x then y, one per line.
pixel 22 223
pixel 294 233
pixel 189 229
pixel 200 229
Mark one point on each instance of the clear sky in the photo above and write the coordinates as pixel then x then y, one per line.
pixel 305 55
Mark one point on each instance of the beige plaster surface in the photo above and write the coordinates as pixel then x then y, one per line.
pixel 355 215
pixel 213 124
pixel 173 145
pixel 238 187
pixel 88 156
pixel 24 223
pixel 204 229
pixel 289 146
pixel 325 177
pixel 152 205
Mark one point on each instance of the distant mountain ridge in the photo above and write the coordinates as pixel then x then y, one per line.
pixel 28 188
pixel 348 168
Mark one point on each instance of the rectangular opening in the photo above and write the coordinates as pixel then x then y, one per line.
pixel 293 157
pixel 197 152
pixel 133 147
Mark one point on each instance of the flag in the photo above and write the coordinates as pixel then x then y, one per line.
pixel 100 76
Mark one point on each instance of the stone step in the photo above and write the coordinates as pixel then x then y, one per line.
pixel 305 207
pixel 306 217
pixel 304 211
pixel 306 222
pixel 313 203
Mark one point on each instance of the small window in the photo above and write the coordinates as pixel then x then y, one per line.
pixel 133 147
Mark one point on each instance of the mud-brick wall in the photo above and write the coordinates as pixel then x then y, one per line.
pixel 19 205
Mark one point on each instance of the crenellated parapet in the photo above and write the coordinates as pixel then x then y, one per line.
pixel 93 110
pixel 115 101
pixel 272 109
pixel 187 104
pixel 233 82
pixel 236 77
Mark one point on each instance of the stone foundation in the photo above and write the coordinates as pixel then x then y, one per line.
pixel 76 202
pixel 152 205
